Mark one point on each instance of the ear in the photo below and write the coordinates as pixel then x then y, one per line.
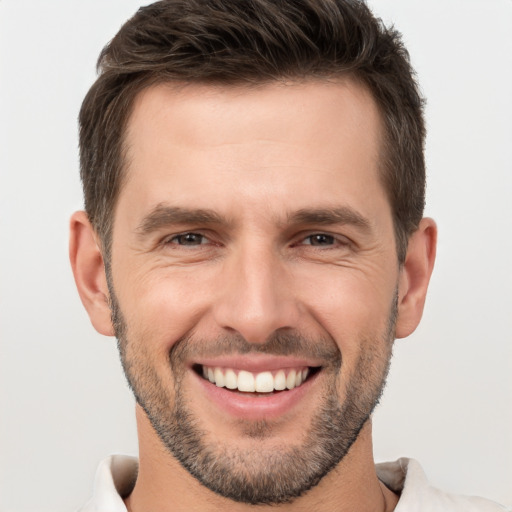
pixel 89 271
pixel 415 276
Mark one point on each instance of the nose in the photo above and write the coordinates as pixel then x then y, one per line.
pixel 256 294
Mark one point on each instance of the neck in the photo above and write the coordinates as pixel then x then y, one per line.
pixel 164 485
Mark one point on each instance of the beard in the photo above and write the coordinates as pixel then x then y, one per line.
pixel 261 475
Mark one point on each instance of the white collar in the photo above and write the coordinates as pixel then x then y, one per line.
pixel 116 477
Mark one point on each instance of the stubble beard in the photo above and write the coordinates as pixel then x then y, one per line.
pixel 258 476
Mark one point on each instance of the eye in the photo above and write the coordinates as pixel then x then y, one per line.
pixel 188 239
pixel 320 239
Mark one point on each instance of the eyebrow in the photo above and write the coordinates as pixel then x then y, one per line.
pixel 327 216
pixel 163 215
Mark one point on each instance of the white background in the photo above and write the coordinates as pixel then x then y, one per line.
pixel 64 404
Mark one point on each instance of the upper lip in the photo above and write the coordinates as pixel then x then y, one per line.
pixel 257 362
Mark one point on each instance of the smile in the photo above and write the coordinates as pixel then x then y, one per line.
pixel 255 387
pixel 260 382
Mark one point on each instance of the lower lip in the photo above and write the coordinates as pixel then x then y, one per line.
pixel 250 407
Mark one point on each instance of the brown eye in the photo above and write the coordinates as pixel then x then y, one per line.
pixel 320 239
pixel 188 239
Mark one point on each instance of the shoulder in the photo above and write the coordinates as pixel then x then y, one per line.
pixel 407 478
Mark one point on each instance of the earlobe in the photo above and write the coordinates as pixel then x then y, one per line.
pixel 415 276
pixel 89 272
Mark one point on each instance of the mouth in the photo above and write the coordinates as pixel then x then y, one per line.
pixel 256 387
pixel 258 384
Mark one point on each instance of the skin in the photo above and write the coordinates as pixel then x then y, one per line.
pixel 255 157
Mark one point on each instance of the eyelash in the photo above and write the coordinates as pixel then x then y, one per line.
pixel 318 237
pixel 332 239
pixel 172 240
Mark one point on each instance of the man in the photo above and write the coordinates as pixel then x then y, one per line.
pixel 254 188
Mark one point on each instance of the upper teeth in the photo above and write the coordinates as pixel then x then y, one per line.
pixel 263 382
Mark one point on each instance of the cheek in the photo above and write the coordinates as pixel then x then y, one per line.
pixel 354 309
pixel 348 300
pixel 162 306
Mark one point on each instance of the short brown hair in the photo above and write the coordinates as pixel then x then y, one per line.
pixel 254 41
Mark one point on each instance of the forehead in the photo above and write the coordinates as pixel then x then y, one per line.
pixel 325 108
pixel 291 141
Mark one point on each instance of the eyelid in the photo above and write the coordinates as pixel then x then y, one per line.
pixel 338 239
pixel 171 239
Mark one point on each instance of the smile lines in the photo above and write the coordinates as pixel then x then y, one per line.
pixel 263 382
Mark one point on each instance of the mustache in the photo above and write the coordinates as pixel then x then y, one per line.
pixel 278 344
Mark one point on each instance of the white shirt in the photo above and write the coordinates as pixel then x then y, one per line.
pixel 116 477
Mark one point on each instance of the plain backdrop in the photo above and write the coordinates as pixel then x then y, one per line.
pixel 64 404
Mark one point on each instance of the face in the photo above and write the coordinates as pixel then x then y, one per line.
pixel 254 279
